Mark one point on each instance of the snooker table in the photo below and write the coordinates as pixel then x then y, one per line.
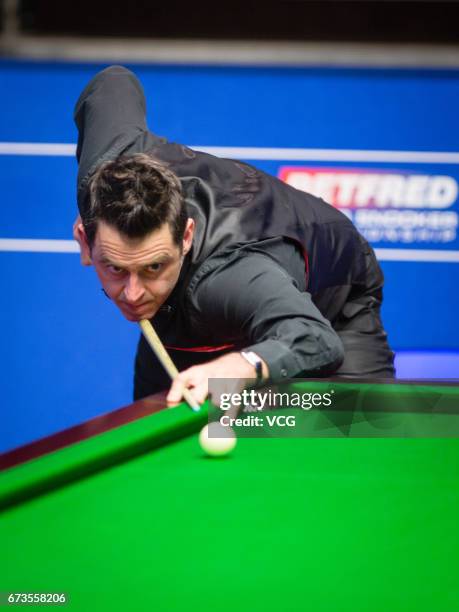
pixel 125 512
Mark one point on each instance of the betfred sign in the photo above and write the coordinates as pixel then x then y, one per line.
pixel 387 206
pixel 370 189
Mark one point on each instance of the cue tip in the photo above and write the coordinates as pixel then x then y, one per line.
pixel 191 401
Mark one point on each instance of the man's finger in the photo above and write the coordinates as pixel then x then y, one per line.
pixel 200 392
pixel 175 395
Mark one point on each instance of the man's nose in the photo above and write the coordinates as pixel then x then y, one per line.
pixel 134 289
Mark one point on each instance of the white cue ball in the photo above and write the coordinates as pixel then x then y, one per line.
pixel 221 441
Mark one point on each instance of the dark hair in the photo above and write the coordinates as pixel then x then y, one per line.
pixel 136 195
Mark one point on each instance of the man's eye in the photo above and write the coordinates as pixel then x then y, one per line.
pixel 156 267
pixel 115 269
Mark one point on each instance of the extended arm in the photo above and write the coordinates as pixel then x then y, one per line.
pixel 281 324
pixel 255 301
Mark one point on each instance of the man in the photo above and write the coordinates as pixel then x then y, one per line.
pixel 243 275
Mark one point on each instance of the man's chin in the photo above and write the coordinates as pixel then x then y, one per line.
pixel 132 318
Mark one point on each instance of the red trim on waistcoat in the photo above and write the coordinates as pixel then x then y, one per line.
pixel 201 349
pixel 306 261
pixel 305 257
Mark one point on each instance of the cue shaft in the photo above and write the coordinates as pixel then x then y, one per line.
pixel 163 356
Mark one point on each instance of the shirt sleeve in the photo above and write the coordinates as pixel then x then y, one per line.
pixel 255 302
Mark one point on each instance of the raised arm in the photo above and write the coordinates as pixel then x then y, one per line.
pixel 110 117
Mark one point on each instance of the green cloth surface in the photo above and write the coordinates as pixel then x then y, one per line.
pixel 281 524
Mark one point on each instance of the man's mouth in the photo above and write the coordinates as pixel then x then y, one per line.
pixel 138 309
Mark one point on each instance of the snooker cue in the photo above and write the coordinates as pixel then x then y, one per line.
pixel 158 348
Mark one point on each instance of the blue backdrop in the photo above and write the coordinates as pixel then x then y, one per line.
pixel 66 353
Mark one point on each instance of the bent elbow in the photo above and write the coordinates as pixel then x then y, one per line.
pixel 337 354
pixel 332 355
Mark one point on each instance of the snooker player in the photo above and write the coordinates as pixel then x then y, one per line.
pixel 242 275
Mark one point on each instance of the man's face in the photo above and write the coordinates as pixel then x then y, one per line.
pixel 139 274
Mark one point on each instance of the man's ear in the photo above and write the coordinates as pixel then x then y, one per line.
pixel 80 236
pixel 188 235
